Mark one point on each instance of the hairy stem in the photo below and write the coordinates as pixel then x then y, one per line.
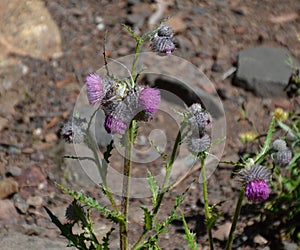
pixel 235 219
pixel 126 186
pixel 205 198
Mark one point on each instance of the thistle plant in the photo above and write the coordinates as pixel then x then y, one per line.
pixel 127 104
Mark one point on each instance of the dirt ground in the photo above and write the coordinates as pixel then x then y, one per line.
pixel 209 34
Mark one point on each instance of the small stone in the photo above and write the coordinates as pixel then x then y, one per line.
pixel 216 67
pixel 222 232
pixel 8 212
pixel 258 239
pixel 14 170
pixel 20 203
pixel 52 137
pixel 8 186
pixel 35 201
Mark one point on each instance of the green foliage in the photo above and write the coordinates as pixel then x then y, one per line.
pixel 189 236
pixel 286 205
pixel 93 203
pixel 154 188
pixel 148 219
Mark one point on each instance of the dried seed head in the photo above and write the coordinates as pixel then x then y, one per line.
pixel 73 131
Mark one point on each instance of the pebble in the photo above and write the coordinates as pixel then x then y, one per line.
pixel 8 186
pixel 8 212
pixel 35 201
pixel 14 170
pixel 20 203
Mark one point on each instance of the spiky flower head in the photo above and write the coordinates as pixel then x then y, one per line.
pixel 114 125
pixel 94 87
pixel 149 100
pixel 279 145
pixel 283 157
pixel 163 44
pixel 73 130
pixel 99 89
pixel 73 212
pixel 256 180
pixel 198 144
pixel 165 30
pixel 199 118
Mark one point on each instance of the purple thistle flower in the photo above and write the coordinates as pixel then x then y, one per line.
pixel 149 99
pixel 94 87
pixel 73 130
pixel 163 44
pixel 257 190
pixel 256 180
pixel 114 125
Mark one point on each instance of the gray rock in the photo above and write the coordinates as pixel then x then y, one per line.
pixel 263 70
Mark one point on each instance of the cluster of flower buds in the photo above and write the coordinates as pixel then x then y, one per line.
pixel 163 41
pixel 256 180
pixel 120 103
pixel 283 154
pixel 199 122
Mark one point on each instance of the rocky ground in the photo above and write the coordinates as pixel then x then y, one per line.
pixel 48 47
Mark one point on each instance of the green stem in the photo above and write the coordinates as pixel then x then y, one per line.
pixel 126 186
pixel 235 219
pixel 165 185
pixel 205 197
pixel 136 56
pixel 92 145
pixel 169 166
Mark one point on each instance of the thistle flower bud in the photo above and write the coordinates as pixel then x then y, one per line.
pixel 199 119
pixel 197 145
pixel 163 44
pixel 165 30
pixel 73 211
pixel 279 145
pixel 282 157
pixel 256 180
pixel 74 130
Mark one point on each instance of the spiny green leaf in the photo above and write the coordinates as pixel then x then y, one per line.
pixel 66 231
pixel 148 219
pixel 189 236
pixel 105 239
pixel 93 203
pixel 268 140
pixel 209 223
pixel 154 188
